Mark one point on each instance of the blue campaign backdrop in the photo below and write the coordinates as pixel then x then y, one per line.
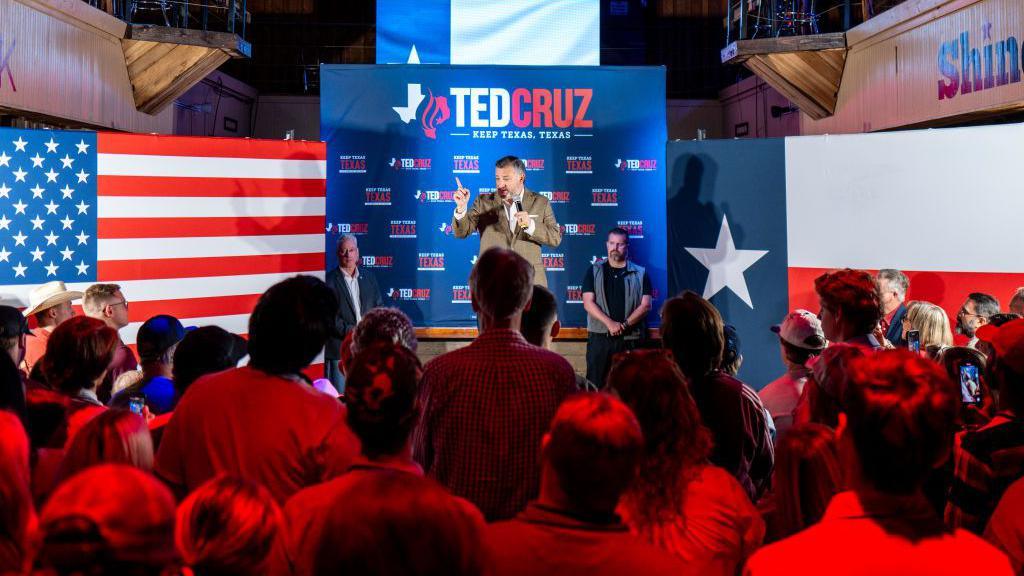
pixel 740 266
pixel 397 137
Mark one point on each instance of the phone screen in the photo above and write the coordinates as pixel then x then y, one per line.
pixel 970 386
pixel 914 340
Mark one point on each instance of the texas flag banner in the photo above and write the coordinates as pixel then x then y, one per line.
pixel 193 227
pixel 752 223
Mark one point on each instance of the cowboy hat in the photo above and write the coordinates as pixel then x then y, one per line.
pixel 49 295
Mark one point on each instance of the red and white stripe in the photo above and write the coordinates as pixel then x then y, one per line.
pixel 944 206
pixel 199 227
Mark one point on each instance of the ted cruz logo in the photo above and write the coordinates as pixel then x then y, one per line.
pixel 534 164
pixel 430 261
pixel 353 228
pixel 596 259
pixel 635 228
pixel 352 164
pixel 574 294
pixel 403 229
pixel 418 164
pixel 636 165
pixel 556 196
pixel 409 294
pixel 488 113
pixel 578 229
pixel 378 261
pixel 463 164
pixel 460 294
pixel 554 262
pixel 378 196
pixel 434 196
pixel 579 165
pixel 434 113
pixel 445 228
pixel 604 197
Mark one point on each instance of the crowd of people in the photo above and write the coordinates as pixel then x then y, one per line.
pixel 865 457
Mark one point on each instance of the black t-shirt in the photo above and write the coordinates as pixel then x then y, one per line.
pixel 614 290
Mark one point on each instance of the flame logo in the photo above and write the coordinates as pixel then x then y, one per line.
pixel 435 113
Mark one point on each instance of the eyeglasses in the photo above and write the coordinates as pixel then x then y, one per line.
pixel 125 302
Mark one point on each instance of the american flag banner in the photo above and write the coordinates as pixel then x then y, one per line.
pixel 193 227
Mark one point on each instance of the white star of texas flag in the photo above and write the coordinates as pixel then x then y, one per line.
pixel 726 264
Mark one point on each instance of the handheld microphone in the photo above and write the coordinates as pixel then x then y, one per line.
pixel 519 208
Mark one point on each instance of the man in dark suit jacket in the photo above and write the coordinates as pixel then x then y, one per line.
pixel 892 287
pixel 357 293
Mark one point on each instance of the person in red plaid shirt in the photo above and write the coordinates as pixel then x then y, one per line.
pixel 487 406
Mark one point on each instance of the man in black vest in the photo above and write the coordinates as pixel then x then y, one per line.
pixel 617 298
pixel 357 292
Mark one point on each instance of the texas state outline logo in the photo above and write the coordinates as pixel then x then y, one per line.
pixel 435 112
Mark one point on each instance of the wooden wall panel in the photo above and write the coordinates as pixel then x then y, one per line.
pixel 892 73
pixel 67 65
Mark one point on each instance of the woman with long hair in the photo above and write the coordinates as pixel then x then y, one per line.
pixel 679 501
pixel 807 475
pixel 931 322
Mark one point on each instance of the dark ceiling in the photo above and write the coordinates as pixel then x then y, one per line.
pixel 291 38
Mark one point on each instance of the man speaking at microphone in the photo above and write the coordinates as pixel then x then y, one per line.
pixel 511 217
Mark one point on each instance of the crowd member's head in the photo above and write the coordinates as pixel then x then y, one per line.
pixel 540 323
pixel 227 527
pixel 112 437
pixel 106 302
pixel 509 177
pixel 807 475
pixel 13 331
pixel 825 392
pixel 384 325
pixel 1002 318
pixel 108 520
pixel 347 250
pixel 930 321
pixel 12 389
pixel 617 245
pixel 47 418
pixel 590 456
pixel 1017 302
pixel 290 325
pixel 900 418
pixel 975 313
pixel 850 306
pixel 78 354
pixel 800 337
pixel 380 392
pixel 692 329
pixel 203 351
pixel 1006 364
pixel 732 355
pixel 892 288
pixel 500 287
pixel 17 516
pixel 676 443
pixel 157 339
pixel 428 532
pixel 50 303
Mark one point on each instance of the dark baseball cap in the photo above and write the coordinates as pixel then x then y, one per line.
pixel 157 335
pixel 12 322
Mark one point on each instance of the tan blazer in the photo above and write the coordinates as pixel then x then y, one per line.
pixel 489 217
